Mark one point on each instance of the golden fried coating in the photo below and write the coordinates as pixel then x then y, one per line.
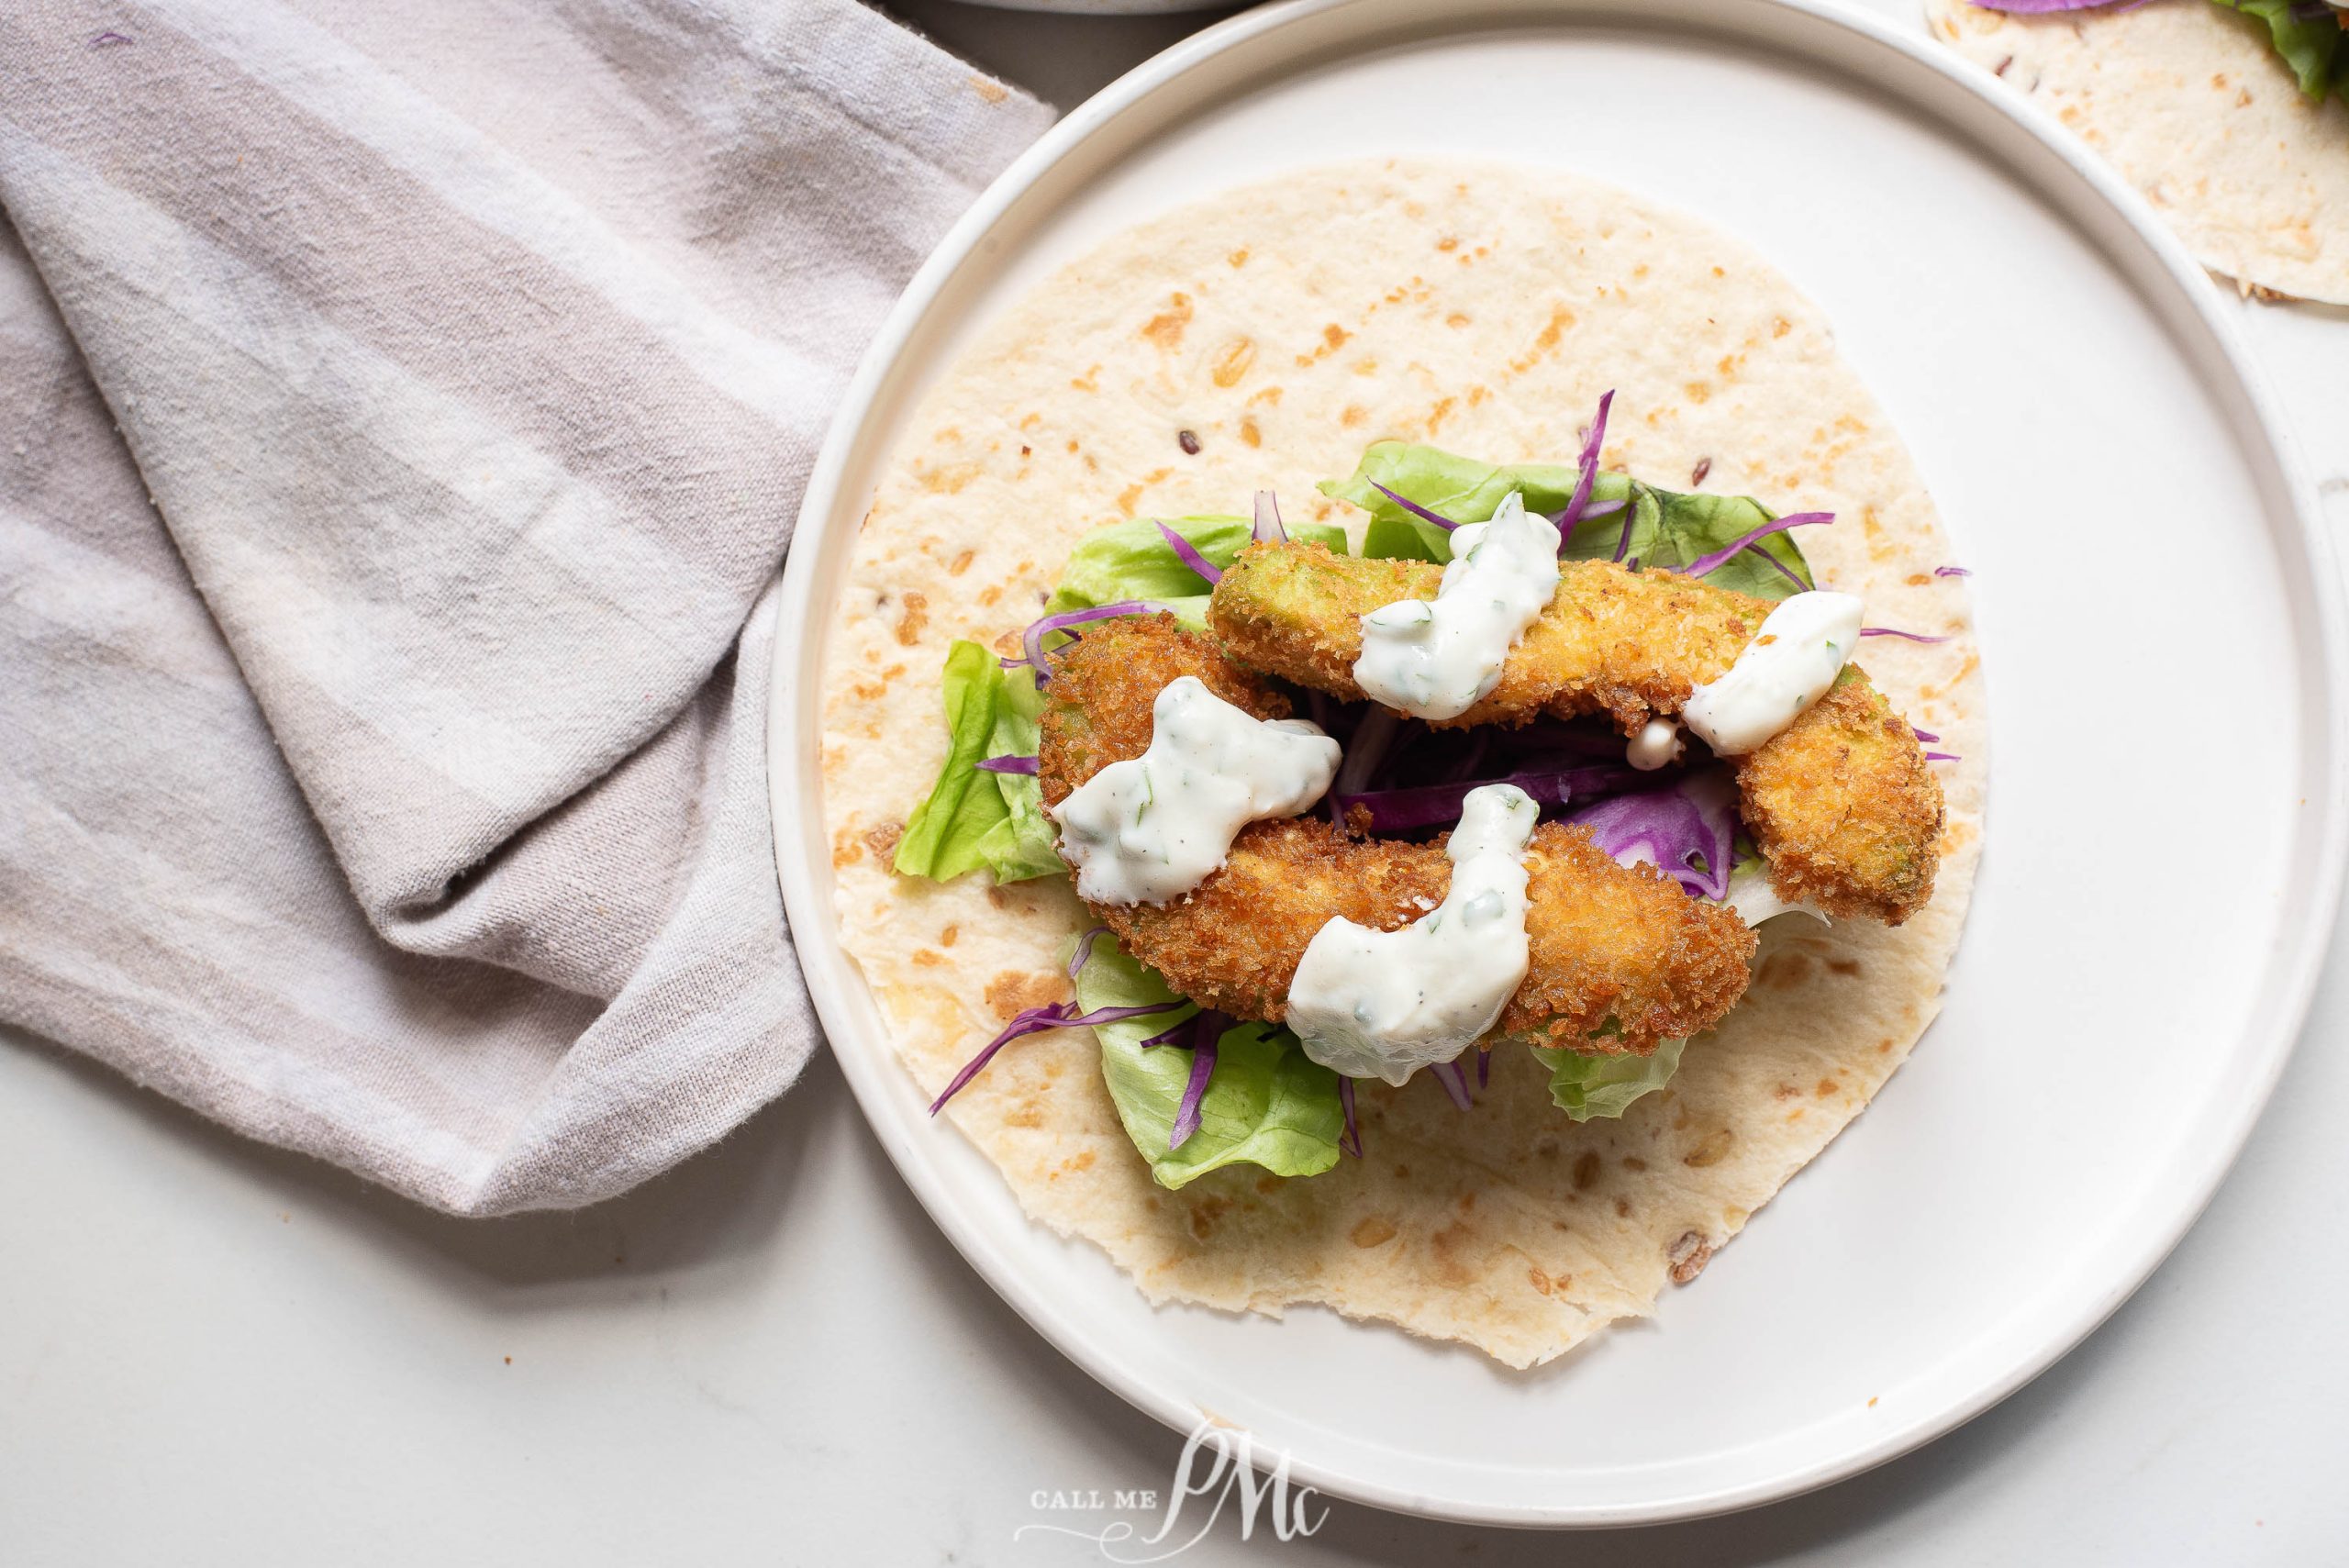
pixel 1846 808
pixel 1841 803
pixel 1607 941
pixel 1625 940
pixel 1623 643
pixel 1101 689
pixel 1235 941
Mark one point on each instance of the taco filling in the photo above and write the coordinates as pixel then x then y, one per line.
pixel 1567 738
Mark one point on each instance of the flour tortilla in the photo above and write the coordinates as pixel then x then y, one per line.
pixel 1287 325
pixel 2193 104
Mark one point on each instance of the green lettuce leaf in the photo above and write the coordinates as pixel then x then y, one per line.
pixel 1268 1103
pixel 942 837
pixel 973 819
pixel 1667 529
pixel 1586 1086
pixel 1672 529
pixel 1132 560
pixel 1019 848
pixel 1460 488
pixel 2314 46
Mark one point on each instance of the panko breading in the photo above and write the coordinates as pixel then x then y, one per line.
pixel 1625 940
pixel 1101 690
pixel 1606 941
pixel 1841 803
pixel 1846 808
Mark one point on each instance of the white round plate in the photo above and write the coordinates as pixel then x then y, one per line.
pixel 2165 651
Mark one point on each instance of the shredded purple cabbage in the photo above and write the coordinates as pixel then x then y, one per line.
pixel 1036 1020
pixel 1192 558
pixel 1011 764
pixel 1447 1075
pixel 1079 955
pixel 1952 572
pixel 1575 510
pixel 1581 497
pixel 1547 744
pixel 1942 757
pixel 2038 7
pixel 1705 563
pixel 1349 1140
pixel 1436 805
pixel 1415 508
pixel 1268 529
pixel 1208 1027
pixel 1483 1068
pixel 1689 829
pixel 1031 641
pixel 1172 1032
pixel 1893 631
pixel 1927 736
pixel 1471 761
pixel 1411 777
pixel 1369 746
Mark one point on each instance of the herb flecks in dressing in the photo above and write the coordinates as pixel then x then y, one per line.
pixel 1436 658
pixel 1789 664
pixel 1154 827
pixel 1385 1003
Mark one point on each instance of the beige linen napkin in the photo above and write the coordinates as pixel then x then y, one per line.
pixel 402 409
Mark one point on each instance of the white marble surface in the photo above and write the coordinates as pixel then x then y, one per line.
pixel 214 1352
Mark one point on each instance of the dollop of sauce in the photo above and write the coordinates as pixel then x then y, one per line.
pixel 1656 745
pixel 1789 664
pixel 1154 827
pixel 1385 1003
pixel 1436 658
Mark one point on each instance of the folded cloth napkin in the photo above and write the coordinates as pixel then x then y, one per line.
pixel 402 410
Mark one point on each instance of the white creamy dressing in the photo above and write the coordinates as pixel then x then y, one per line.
pixel 1385 1003
pixel 1435 658
pixel 1154 827
pixel 1656 745
pixel 1789 664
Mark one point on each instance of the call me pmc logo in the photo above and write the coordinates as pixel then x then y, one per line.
pixel 1218 1468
